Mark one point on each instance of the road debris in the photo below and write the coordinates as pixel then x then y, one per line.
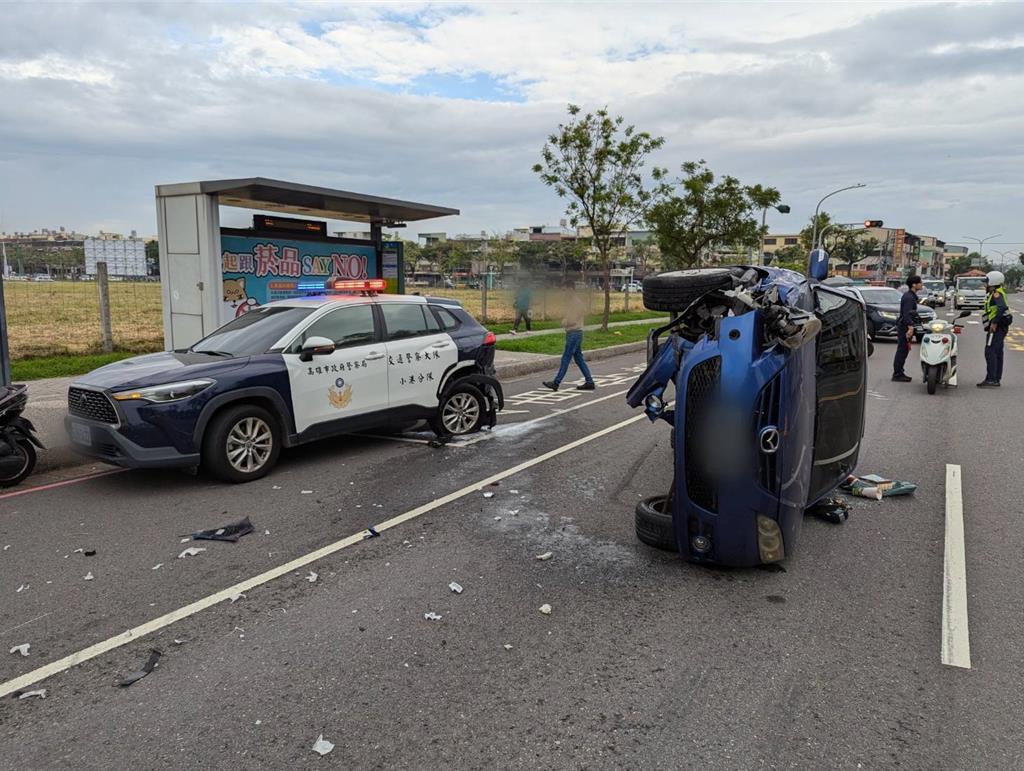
pixel 8 546
pixel 235 597
pixel 455 587
pixel 832 509
pixel 266 532
pixel 40 694
pixel 514 492
pixel 875 486
pixel 312 577
pixel 431 616
pixel 230 533
pixel 497 519
pixel 21 588
pixel 88 576
pixel 151 663
pixel 276 487
pixel 78 551
pixel 507 647
pixel 306 492
pixel 89 552
pixel 544 557
pixel 191 551
pixel 488 495
pixel 370 533
pixel 22 649
pixel 322 747
pixel 157 566
pixel 545 609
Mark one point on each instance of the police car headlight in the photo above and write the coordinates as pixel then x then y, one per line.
pixel 889 316
pixel 171 392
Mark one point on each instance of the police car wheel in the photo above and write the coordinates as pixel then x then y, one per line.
pixel 242 444
pixel 654 524
pixel 462 411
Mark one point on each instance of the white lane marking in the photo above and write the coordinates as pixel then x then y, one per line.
pixel 956 639
pixel 156 624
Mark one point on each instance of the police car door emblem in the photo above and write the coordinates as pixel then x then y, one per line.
pixel 768 440
pixel 339 394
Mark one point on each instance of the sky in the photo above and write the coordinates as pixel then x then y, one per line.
pixel 450 104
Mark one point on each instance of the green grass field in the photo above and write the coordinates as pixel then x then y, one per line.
pixel 553 344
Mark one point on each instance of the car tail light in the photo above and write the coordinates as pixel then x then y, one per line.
pixel 769 539
pixel 359 285
pixel 490 338
pixel 957 330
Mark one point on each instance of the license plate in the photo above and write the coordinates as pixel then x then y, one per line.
pixel 81 434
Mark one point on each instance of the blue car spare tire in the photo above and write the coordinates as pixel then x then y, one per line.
pixel 675 290
pixel 654 523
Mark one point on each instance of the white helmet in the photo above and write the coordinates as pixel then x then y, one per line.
pixel 994 278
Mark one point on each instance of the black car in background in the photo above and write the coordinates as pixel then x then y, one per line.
pixel 883 309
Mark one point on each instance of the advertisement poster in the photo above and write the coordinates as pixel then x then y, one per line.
pixel 257 270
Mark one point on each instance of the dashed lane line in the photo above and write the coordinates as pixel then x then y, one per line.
pixel 956 639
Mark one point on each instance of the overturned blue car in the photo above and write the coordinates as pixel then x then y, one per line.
pixel 769 375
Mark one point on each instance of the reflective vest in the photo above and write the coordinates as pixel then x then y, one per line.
pixel 991 309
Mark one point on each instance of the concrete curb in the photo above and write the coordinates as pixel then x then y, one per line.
pixel 519 369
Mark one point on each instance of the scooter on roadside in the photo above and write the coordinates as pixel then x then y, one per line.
pixel 939 351
pixel 18 440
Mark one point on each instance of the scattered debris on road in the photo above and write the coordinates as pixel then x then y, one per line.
pixel 507 647
pixel 22 649
pixel 230 533
pixel 545 556
pixel 21 588
pixel 89 552
pixel 431 616
pixel 191 551
pixel 545 609
pixel 312 577
pixel 497 519
pixel 306 492
pixel 157 566
pixel 39 694
pixel 235 597
pixel 370 533
pixel 832 509
pixel 151 663
pixel 455 587
pixel 322 747
pixel 8 546
pixel 488 495
pixel 875 486
pixel 88 576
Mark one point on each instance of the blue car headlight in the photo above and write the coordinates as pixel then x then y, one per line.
pixel 161 394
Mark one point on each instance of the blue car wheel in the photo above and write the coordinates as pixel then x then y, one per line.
pixel 654 523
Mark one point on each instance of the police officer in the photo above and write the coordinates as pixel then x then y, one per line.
pixel 905 328
pixel 997 321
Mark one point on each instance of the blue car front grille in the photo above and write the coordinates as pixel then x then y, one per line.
pixel 767 415
pixel 701 393
pixel 92 405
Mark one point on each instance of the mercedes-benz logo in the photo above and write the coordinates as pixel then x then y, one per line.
pixel 769 440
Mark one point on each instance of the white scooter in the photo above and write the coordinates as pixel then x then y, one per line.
pixel 938 353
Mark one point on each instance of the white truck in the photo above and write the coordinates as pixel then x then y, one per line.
pixel 969 292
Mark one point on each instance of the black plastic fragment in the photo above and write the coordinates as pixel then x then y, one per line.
pixel 371 533
pixel 834 510
pixel 149 666
pixel 231 532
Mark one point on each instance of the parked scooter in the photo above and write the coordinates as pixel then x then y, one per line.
pixel 18 441
pixel 938 353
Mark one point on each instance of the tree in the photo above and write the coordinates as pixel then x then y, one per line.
pixel 500 251
pixel 706 213
pixel 643 253
pixel 596 162
pixel 1014 276
pixel 824 220
pixel 963 264
pixel 791 257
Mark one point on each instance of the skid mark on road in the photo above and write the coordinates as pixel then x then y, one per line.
pixel 956 639
pixel 156 624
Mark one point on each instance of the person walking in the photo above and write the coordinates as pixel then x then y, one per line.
pixel 572 322
pixel 521 305
pixel 905 328
pixel 997 322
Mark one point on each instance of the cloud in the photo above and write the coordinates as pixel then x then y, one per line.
pixel 451 104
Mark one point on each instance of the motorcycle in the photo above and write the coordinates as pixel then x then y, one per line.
pixel 18 441
pixel 939 351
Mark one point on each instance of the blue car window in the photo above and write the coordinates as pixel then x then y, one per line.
pixel 344 327
pixel 253 332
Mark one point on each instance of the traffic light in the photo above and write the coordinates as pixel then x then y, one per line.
pixel 872 223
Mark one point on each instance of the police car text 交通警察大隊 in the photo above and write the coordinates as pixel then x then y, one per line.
pixel 287 373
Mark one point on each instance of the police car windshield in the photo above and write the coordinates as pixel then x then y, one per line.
pixel 881 296
pixel 253 332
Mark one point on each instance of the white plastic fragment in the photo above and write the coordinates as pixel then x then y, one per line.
pixel 497 519
pixel 191 551
pixel 513 492
pixel 21 588
pixel 544 557
pixel 488 495
pixel 322 746
pixel 276 487
pixel 22 649
pixel 41 693
pixel 157 566
pixel 545 609
pixel 455 587
pixel 236 597
pixel 308 492
pixel 312 577
pixel 8 546
pixel 507 647
pixel 266 532
pixel 88 576
pixel 220 532
pixel 78 551
pixel 432 616
pixel 185 540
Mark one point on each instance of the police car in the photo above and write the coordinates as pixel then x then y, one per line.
pixel 290 372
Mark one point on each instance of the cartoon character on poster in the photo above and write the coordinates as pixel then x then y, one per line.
pixel 236 301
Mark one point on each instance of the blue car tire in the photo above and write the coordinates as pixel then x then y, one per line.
pixel 654 523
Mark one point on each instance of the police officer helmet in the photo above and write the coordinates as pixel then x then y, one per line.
pixel 994 278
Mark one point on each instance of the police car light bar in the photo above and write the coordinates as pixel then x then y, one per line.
pixel 360 285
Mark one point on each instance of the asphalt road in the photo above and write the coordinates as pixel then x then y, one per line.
pixel 644 660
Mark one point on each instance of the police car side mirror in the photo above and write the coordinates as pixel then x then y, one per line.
pixel 316 346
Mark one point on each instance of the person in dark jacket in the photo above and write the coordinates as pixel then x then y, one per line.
pixel 905 328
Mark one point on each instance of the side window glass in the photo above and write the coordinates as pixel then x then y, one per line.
pixel 404 320
pixel 345 327
pixel 448 320
pixel 432 323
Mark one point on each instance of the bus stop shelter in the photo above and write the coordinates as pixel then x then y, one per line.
pixel 210 274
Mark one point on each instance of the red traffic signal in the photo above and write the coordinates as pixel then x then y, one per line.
pixel 872 223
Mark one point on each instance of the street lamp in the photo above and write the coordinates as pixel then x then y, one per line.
pixel 981 242
pixel 781 209
pixel 814 231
